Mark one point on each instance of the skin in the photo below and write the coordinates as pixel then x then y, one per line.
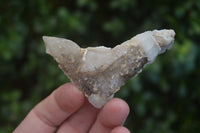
pixel 66 110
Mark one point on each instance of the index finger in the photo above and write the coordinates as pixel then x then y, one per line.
pixel 52 111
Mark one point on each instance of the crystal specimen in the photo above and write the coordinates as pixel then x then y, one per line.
pixel 101 71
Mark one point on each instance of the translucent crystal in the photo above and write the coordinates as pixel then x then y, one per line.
pixel 101 71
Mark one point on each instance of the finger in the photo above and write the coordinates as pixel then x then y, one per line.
pixel 113 114
pixel 120 129
pixel 53 110
pixel 81 121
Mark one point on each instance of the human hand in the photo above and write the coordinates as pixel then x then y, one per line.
pixel 66 110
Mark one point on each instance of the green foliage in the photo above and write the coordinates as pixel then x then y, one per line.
pixel 164 98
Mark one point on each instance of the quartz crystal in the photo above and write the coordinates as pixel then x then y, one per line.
pixel 101 71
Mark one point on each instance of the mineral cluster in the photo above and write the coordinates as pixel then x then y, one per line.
pixel 101 71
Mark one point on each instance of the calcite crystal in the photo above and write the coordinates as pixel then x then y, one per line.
pixel 101 71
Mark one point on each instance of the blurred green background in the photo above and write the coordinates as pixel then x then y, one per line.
pixel 164 98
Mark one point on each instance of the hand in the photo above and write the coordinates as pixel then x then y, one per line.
pixel 66 110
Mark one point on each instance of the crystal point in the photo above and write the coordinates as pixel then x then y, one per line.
pixel 101 71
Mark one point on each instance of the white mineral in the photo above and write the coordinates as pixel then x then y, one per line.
pixel 101 71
